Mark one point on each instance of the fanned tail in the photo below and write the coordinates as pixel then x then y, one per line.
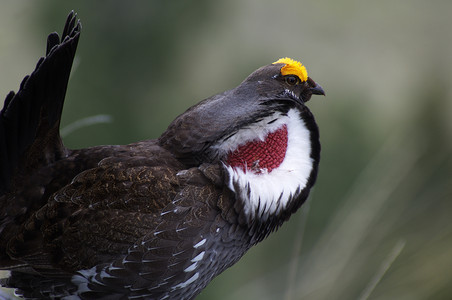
pixel 30 119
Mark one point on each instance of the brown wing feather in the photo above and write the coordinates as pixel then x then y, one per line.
pixel 134 218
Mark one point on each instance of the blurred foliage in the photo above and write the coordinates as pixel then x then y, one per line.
pixel 377 225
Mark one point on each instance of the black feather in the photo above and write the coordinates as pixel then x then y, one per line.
pixel 28 115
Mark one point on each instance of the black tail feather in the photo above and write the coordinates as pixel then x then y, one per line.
pixel 29 117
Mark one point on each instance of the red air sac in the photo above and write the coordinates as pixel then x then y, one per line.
pixel 258 156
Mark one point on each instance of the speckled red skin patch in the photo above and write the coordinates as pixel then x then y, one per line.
pixel 258 156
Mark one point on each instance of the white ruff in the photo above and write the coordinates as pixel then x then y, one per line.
pixel 268 193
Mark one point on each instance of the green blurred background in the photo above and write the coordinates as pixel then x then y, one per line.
pixel 378 224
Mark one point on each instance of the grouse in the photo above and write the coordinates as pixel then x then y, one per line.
pixel 159 218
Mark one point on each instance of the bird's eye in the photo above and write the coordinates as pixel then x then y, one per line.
pixel 292 80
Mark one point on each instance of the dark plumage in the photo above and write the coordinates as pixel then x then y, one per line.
pixel 157 219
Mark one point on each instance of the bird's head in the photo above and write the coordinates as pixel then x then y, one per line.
pixel 262 133
pixel 284 79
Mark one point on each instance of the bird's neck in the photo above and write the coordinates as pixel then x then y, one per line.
pixel 269 164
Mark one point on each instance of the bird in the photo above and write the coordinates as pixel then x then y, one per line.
pixel 158 218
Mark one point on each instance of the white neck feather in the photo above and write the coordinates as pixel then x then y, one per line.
pixel 265 194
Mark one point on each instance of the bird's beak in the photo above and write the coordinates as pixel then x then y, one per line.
pixel 317 90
